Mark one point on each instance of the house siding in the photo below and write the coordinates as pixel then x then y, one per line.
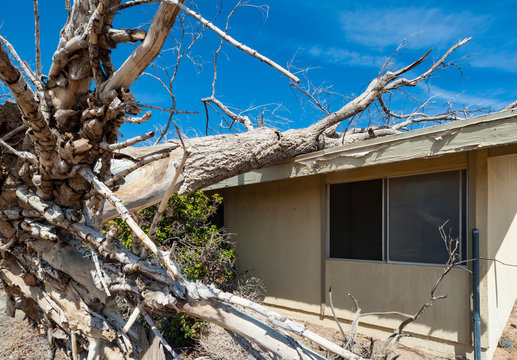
pixel 502 244
pixel 381 287
pixel 278 234
pixel 280 229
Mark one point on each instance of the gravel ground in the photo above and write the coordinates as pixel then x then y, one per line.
pixel 18 340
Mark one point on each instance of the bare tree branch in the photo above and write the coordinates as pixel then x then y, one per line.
pixel 118 36
pixel 166 196
pixel 418 115
pixel 93 31
pixel 140 120
pixel 37 39
pixel 232 41
pixel 334 314
pixel 12 133
pixel 160 336
pixel 144 54
pixel 378 86
pixel 21 154
pixel 127 143
pixel 244 120
pixel 131 3
pixel 29 107
pixel 167 110
pixel 27 71
pixel 452 246
pixel 512 105
pixel 405 82
pixel 218 31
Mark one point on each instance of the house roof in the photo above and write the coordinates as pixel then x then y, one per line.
pixel 486 131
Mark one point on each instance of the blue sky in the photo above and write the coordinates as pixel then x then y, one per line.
pixel 344 43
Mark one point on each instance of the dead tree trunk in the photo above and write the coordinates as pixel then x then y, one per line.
pixel 63 174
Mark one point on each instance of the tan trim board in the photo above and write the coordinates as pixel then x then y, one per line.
pixel 444 163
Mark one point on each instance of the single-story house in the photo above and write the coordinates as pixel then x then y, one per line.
pixel 364 217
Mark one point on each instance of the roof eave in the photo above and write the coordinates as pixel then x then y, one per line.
pixel 485 131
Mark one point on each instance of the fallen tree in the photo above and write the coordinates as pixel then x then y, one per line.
pixel 63 174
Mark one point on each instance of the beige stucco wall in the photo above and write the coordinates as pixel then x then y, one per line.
pixel 280 234
pixel 502 234
pixel 381 287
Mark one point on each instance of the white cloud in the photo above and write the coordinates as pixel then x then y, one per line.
pixel 465 98
pixel 505 60
pixel 346 57
pixel 376 29
pixel 380 28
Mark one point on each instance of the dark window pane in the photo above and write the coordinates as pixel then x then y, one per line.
pixel 417 206
pixel 356 220
pixel 464 231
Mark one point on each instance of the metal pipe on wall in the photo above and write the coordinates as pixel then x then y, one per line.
pixel 475 295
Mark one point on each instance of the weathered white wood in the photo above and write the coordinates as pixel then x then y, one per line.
pixel 37 39
pixel 146 184
pixel 265 337
pixel 44 139
pixel 244 120
pixel 127 143
pixel 75 354
pixel 140 120
pixel 124 213
pixel 26 70
pixel 133 317
pixel 126 35
pixel 166 196
pixel 60 57
pixel 159 336
pixel 150 47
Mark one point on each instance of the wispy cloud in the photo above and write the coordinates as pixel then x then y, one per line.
pixel 368 32
pixel 505 60
pixel 380 28
pixel 465 98
pixel 346 57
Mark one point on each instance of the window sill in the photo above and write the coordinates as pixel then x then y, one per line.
pixel 401 263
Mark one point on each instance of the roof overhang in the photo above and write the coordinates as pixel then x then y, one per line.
pixel 497 129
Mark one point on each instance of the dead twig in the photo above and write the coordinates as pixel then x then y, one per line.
pixel 37 39
pixel 163 203
pixel 127 143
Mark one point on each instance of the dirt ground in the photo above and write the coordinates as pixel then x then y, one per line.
pixel 509 333
pixel 20 341
pixel 404 352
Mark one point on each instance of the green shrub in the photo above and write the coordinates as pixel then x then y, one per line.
pixel 203 252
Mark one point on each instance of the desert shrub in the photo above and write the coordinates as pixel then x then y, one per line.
pixel 203 252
